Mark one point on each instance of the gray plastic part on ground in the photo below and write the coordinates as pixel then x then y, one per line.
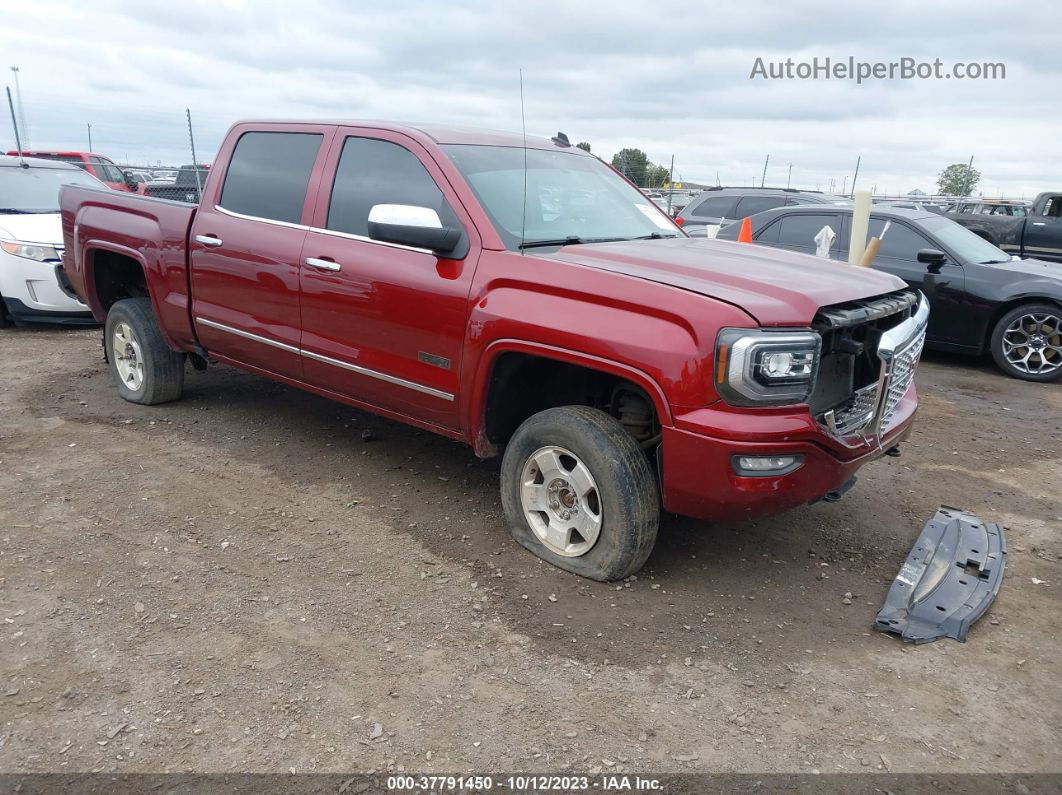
pixel 948 581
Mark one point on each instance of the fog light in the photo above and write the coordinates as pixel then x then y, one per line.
pixel 752 466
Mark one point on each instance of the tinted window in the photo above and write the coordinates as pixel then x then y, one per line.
pixel 750 205
pixel 267 174
pixel 379 172
pixel 715 207
pixel 800 230
pixel 900 242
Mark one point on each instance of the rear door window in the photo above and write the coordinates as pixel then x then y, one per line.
pixel 268 173
pixel 750 205
pixel 900 241
pixel 715 207
pixel 372 172
pixel 798 231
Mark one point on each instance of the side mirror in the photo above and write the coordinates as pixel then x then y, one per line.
pixel 130 182
pixel 408 225
pixel 933 257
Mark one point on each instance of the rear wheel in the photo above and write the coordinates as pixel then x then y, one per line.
pixel 146 370
pixel 579 493
pixel 1027 342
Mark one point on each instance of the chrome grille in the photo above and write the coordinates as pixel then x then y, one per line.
pixel 901 377
pixel 856 416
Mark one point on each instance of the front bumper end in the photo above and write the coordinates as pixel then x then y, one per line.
pixel 699 478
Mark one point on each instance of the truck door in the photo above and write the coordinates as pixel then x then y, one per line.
pixel 384 324
pixel 1043 231
pixel 245 244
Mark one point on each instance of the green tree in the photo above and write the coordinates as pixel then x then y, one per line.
pixel 657 176
pixel 633 164
pixel 584 146
pixel 958 179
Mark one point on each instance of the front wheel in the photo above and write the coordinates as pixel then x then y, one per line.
pixel 579 493
pixel 1027 342
pixel 146 370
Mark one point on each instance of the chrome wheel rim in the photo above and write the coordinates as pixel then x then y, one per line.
pixel 128 359
pixel 1033 343
pixel 560 501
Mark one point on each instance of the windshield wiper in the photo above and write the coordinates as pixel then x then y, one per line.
pixel 652 236
pixel 571 240
pixel 15 211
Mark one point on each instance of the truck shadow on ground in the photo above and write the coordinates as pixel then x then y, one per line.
pixel 754 589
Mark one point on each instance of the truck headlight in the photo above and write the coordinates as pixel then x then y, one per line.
pixel 754 367
pixel 33 251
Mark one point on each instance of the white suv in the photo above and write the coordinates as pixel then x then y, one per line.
pixel 32 285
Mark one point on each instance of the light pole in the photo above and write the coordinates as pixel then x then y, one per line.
pixel 90 136
pixel 21 111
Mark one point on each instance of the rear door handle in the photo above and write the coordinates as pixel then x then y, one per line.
pixel 1039 223
pixel 323 264
pixel 208 240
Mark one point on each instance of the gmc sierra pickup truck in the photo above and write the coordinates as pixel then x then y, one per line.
pixel 1036 232
pixel 520 296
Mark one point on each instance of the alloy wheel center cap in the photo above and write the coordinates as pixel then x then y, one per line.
pixel 1037 342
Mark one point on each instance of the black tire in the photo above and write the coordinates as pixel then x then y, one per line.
pixel 5 318
pixel 163 367
pixel 996 343
pixel 626 487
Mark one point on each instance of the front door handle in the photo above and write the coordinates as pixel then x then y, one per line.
pixel 208 240
pixel 1039 223
pixel 323 264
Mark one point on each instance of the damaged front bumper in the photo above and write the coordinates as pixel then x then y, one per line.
pixel 948 581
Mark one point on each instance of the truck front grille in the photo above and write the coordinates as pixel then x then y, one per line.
pixel 869 354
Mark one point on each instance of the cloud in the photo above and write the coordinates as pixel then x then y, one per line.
pixel 668 77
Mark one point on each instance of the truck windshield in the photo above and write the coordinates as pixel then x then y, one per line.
pixel 571 198
pixel 36 190
pixel 968 246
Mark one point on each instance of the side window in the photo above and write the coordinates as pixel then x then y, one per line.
pixel 268 173
pixel 900 242
pixel 373 172
pixel 715 207
pixel 769 234
pixel 750 205
pixel 1053 208
pixel 798 231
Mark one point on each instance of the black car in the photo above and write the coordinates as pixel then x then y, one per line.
pixel 717 205
pixel 982 300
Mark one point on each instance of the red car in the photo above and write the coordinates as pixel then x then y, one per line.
pixel 619 366
pixel 102 168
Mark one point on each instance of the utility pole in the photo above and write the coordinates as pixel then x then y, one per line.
pixel 858 161
pixel 790 177
pixel 195 163
pixel 89 135
pixel 966 188
pixel 844 186
pixel 21 110
pixel 670 184
pixel 764 177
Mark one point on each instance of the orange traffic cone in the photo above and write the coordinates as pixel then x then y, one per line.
pixel 745 235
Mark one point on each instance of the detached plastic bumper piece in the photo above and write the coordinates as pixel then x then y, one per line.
pixel 948 581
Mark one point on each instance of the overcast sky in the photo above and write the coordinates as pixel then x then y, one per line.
pixel 669 78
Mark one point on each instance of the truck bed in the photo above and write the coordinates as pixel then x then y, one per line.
pixel 152 231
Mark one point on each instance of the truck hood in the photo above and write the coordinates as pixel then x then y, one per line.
pixel 44 228
pixel 776 287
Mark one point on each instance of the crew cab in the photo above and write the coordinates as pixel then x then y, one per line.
pixel 1021 230
pixel 520 296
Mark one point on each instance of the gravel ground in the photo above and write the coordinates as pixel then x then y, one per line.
pixel 239 582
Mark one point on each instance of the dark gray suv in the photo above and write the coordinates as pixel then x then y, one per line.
pixel 723 205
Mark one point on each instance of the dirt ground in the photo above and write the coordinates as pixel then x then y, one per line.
pixel 239 582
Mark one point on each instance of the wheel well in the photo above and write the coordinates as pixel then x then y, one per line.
pixel 1002 309
pixel 523 384
pixel 117 276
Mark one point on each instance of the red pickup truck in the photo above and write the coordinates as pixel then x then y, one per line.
pixel 520 296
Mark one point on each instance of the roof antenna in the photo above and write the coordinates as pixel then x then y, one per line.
pixel 523 127
pixel 18 141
